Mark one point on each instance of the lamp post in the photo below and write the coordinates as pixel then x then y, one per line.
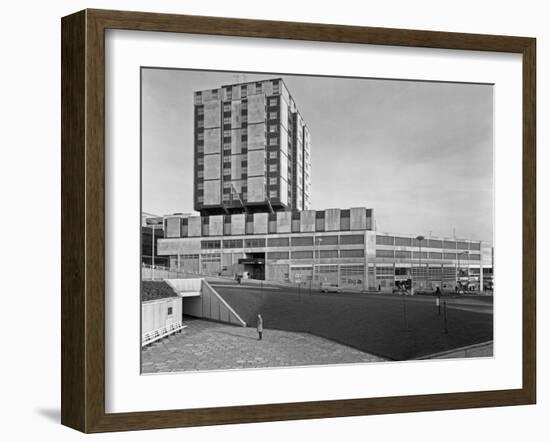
pixel 459 269
pixel 419 238
pixel 153 222
pixel 316 245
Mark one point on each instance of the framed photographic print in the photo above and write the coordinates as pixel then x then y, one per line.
pixel 270 220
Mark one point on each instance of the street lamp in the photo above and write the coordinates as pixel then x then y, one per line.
pixel 153 222
pixel 316 245
pixel 419 238
pixel 459 269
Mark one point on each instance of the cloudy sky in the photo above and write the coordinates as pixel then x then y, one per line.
pixel 419 153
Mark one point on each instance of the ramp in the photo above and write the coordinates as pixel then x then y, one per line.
pixel 202 301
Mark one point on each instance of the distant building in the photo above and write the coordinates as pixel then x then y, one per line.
pixel 147 241
pixel 252 150
pixel 334 245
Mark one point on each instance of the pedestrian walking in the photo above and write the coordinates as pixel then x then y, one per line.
pixel 260 326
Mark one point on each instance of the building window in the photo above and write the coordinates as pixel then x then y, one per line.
pixel 327 253
pixel 278 242
pixel 273 141
pixel 273 115
pixel 435 243
pixel 352 239
pixel 210 244
pixel 359 253
pixel 227 120
pixel 303 254
pixel 273 194
pixel 403 241
pixel 273 168
pixel 200 136
pixel 276 87
pixel 273 181
pixel 277 255
pixel 273 155
pixel 200 173
pixel 200 199
pixel 232 243
pixel 255 242
pixel 170 311
pixel 384 240
pixel 384 253
pixel 300 241
pixel 273 102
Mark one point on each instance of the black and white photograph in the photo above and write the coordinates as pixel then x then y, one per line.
pixel 302 220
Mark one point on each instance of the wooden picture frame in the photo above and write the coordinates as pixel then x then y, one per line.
pixel 83 220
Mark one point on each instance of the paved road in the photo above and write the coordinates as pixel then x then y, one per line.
pixel 206 345
pixel 479 304
pixel 395 327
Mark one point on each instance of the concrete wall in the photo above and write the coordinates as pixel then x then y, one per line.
pixel 212 191
pixel 284 220
pixel 194 226
pixel 211 141
pixel 256 136
pixel 307 221
pixel 212 167
pixel 216 225
pixel 256 189
pixel 276 272
pixel 260 222
pixel 236 107
pixel 237 224
pixel 358 218
pixel 210 305
pixel 256 108
pixel 332 220
pixel 212 114
pixel 154 314
pixel 256 163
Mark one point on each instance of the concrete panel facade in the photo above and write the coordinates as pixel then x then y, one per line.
pixel 237 224
pixel 216 225
pixel 236 167
pixel 284 220
pixel 284 167
pixel 256 109
pixel 212 114
pixel 211 141
pixel 256 189
pixel 332 220
pixel 256 136
pixel 212 167
pixel 212 192
pixel 307 221
pixel 260 223
pixel 283 192
pixel 256 163
pixel 235 114
pixel 358 218
pixel 236 143
pixel 194 226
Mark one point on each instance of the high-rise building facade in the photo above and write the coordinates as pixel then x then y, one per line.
pixel 252 150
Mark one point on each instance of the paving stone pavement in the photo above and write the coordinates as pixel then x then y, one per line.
pixel 206 345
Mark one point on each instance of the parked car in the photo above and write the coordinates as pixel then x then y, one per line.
pixel 330 287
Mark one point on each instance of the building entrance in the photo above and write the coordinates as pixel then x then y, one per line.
pixel 254 265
